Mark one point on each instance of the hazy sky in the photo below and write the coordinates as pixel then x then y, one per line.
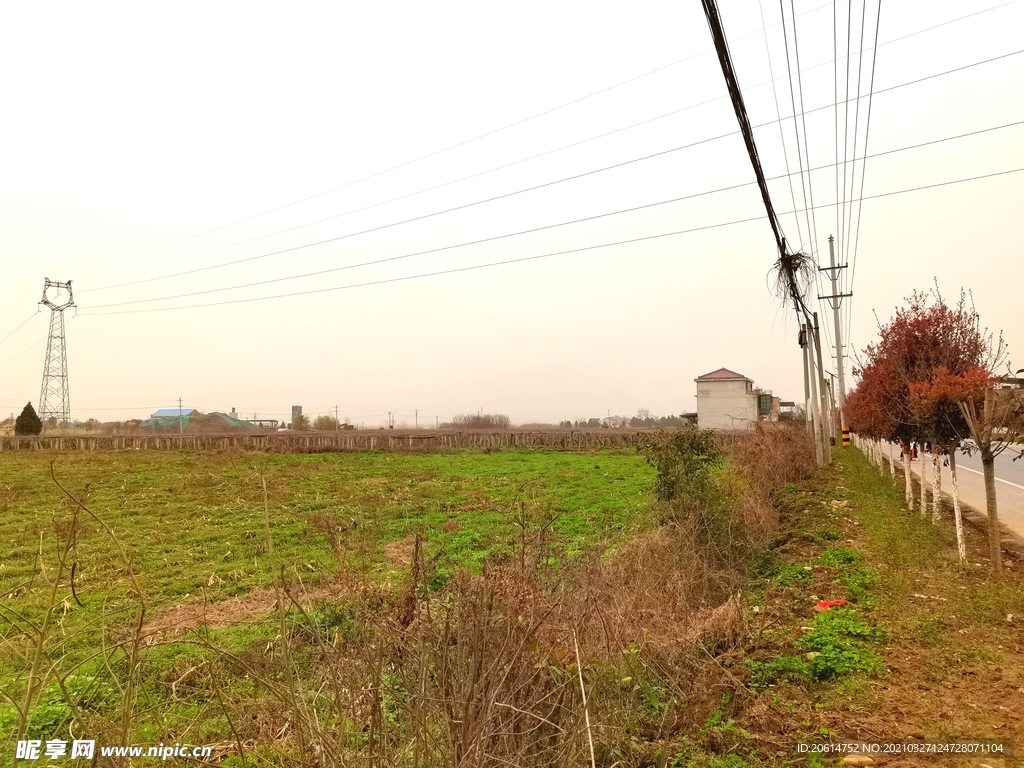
pixel 135 136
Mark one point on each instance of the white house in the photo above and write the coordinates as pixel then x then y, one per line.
pixel 726 400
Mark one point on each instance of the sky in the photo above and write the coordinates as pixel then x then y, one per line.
pixel 165 158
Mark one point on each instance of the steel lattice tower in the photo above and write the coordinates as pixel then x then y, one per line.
pixel 54 397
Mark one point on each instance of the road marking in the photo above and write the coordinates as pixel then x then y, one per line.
pixel 998 478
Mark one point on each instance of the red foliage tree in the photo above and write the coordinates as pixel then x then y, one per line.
pixel 925 376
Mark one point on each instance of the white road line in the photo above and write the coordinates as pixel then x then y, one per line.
pixel 998 478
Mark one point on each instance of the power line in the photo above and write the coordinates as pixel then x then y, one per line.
pixel 434 153
pixel 497 168
pixel 536 257
pixel 703 141
pixel 18 327
pixel 867 131
pixel 778 115
pixel 319 273
pixel 24 351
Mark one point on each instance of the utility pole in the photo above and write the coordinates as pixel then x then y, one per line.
pixel 181 427
pixel 812 398
pixel 337 424
pixel 417 417
pixel 437 422
pixel 823 404
pixel 836 300
pixel 807 380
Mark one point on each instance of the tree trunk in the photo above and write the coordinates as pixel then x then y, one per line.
pixel 961 544
pixel 936 487
pixel 924 484
pixel 988 464
pixel 892 465
pixel 908 484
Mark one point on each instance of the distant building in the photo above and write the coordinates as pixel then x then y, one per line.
pixel 727 400
pixel 174 412
pixel 615 421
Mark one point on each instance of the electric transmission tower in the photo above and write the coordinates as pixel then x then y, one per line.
pixel 54 397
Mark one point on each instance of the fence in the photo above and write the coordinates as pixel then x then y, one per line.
pixel 325 442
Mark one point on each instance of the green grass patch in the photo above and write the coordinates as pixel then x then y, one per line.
pixel 841 643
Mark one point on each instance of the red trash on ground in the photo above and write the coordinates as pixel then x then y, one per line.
pixel 824 605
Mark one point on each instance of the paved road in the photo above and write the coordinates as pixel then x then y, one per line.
pixel 1009 485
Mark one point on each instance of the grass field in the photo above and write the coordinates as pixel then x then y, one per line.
pixel 193 527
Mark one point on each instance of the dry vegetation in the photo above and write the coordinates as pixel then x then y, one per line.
pixel 612 658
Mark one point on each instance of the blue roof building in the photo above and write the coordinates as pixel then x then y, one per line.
pixel 174 412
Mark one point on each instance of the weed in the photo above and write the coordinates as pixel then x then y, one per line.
pixel 839 556
pixel 840 643
pixel 832 533
pixel 784 669
pixel 781 573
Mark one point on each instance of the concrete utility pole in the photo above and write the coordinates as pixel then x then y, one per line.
pixel 824 405
pixel 813 404
pixel 337 424
pixel 181 428
pixel 807 380
pixel 417 417
pixel 836 300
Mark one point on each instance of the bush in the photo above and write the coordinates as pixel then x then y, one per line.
pixel 325 423
pixel 687 462
pixel 480 421
pixel 28 423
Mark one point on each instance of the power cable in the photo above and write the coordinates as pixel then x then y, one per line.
pixel 867 132
pixel 441 151
pixel 856 123
pixel 527 159
pixel 537 229
pixel 535 257
pixel 18 327
pixel 778 115
pixel 24 351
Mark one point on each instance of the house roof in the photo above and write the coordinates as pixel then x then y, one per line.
pixel 721 373
pixel 173 412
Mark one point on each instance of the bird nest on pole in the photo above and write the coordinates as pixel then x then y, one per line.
pixel 793 274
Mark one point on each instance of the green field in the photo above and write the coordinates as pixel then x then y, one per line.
pixel 193 527
pixel 185 518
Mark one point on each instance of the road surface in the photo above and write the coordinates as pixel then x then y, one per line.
pixel 1009 484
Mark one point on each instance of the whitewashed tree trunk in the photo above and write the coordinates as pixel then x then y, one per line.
pixel 908 485
pixel 961 545
pixel 924 482
pixel 892 465
pixel 936 487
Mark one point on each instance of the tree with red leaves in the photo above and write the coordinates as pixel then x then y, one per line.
pixel 925 379
pixel 968 405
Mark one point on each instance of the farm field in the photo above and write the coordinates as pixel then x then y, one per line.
pixel 193 527
pixel 192 521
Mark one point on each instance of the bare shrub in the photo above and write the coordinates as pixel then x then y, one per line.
pixel 479 421
pixel 773 455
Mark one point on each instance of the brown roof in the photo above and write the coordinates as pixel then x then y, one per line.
pixel 722 373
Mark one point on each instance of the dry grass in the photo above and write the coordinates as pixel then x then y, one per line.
pixel 490 670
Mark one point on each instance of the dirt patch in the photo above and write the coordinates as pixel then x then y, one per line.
pixel 400 552
pixel 244 609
